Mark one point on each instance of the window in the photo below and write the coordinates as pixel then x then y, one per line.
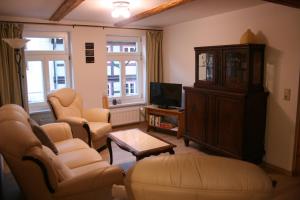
pixel 47 60
pixel 45 44
pixel 35 81
pixel 124 69
pixel 122 46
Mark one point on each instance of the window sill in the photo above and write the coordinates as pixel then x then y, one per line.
pixel 124 105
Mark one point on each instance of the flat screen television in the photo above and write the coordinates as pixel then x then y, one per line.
pixel 165 95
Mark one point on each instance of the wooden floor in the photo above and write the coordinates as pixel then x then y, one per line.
pixel 288 188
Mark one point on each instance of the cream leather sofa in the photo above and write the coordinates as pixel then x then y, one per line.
pixel 90 125
pixel 196 177
pixel 77 172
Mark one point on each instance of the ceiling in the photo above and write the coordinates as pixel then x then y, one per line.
pixel 99 11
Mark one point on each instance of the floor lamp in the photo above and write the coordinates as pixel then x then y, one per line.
pixel 17 44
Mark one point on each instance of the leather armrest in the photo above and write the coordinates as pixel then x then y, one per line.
pixel 96 115
pixel 58 131
pixel 95 180
pixel 80 128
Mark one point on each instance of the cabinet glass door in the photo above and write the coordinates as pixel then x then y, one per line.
pixel 235 68
pixel 206 67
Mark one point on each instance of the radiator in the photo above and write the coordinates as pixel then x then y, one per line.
pixel 122 116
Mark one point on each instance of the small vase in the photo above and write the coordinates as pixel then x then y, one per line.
pixel 248 37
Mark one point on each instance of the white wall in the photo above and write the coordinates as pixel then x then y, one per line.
pixel 89 78
pixel 279 28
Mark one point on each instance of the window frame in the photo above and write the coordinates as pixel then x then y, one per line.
pixel 127 56
pixel 45 57
pixel 64 35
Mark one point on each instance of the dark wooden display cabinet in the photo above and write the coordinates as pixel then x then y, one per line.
pixel 226 108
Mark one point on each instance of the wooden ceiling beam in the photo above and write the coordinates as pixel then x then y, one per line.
pixel 154 11
pixel 290 3
pixel 65 8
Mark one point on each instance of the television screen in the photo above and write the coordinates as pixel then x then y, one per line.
pixel 165 94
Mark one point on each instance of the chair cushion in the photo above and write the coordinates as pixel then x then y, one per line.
pixel 42 136
pixel 99 129
pixel 63 172
pixel 70 145
pixel 80 157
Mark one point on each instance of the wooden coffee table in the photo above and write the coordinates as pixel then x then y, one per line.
pixel 140 144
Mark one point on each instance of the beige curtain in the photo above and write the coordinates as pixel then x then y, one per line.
pixel 9 79
pixel 154 57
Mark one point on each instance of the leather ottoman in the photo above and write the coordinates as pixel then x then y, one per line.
pixel 197 177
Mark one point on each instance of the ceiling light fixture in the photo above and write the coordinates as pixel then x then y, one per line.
pixel 120 9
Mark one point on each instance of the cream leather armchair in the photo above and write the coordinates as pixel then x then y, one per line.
pixel 90 125
pixel 77 172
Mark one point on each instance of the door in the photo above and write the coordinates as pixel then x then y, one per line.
pixel 229 124
pixel 296 163
pixel 196 115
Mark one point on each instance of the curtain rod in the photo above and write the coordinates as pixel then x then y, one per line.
pixel 80 25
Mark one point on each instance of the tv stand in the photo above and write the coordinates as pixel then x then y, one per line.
pixel 163 107
pixel 156 111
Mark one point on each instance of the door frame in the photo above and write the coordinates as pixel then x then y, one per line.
pixel 297 135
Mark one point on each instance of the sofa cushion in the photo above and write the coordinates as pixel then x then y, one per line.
pixel 80 157
pixel 90 167
pixel 63 172
pixel 42 136
pixel 70 145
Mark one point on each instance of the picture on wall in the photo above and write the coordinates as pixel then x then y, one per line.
pixel 89 52
pixel 89 45
pixel 90 59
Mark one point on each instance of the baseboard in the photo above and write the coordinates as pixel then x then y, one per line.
pixel 273 168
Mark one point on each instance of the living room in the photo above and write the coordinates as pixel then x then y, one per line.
pixel 219 23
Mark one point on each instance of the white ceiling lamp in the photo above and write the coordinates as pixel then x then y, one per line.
pixel 120 9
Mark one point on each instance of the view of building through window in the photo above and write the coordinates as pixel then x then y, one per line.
pixel 57 74
pixel 123 68
pixel 114 78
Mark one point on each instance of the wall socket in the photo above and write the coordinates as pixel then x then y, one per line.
pixel 287 94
